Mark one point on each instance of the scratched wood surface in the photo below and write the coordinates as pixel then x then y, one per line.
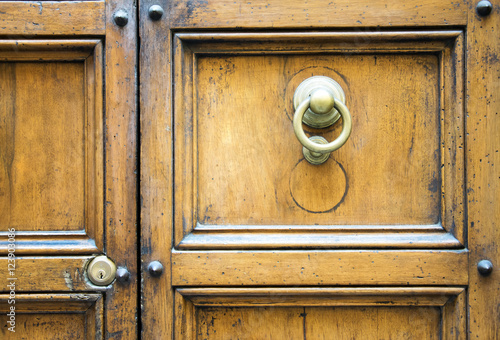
pixel 318 323
pixel 244 110
pixel 222 172
pixel 244 82
pixel 42 156
pixel 51 185
pixel 49 316
pixel 321 313
pixel 483 174
pixel 68 132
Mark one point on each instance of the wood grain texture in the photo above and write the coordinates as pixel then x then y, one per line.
pixel 244 94
pixel 43 173
pixel 373 323
pixel 51 173
pixel 156 186
pixel 483 170
pixel 121 163
pixel 315 14
pixel 45 316
pixel 46 274
pixel 246 87
pixel 320 297
pixel 410 267
pixel 231 62
pixel 290 239
pixel 24 18
pixel 250 323
pixel 111 153
pixel 321 313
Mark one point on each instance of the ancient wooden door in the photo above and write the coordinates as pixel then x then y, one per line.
pixel 68 132
pixel 240 236
pixel 383 240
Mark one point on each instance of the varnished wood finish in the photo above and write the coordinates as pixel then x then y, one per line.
pixel 121 165
pixel 287 191
pixel 25 18
pixel 41 316
pixel 483 170
pixel 319 313
pixel 75 77
pixel 157 296
pixel 45 274
pixel 222 171
pixel 315 14
pixel 323 268
pixel 51 183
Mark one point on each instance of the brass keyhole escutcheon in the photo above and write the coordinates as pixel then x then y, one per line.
pixel 101 271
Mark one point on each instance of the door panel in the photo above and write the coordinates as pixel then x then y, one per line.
pixel 52 160
pixel 224 180
pixel 67 163
pixel 29 18
pixel 320 313
pixel 239 122
pixel 42 316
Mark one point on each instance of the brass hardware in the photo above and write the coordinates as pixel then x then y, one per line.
pixel 484 267
pixel 317 117
pixel 155 269
pixel 155 12
pixel 316 158
pixel 101 270
pixel 484 8
pixel 120 17
pixel 316 149
pixel 122 275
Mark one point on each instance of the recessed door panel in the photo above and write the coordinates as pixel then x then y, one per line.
pixel 51 173
pixel 252 236
pixel 241 177
pixel 320 313
pixel 45 316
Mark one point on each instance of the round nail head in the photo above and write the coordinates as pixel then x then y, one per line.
pixel 155 12
pixel 484 8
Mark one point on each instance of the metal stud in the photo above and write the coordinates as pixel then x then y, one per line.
pixel 121 17
pixel 155 12
pixel 122 275
pixel 484 8
pixel 155 269
pixel 484 267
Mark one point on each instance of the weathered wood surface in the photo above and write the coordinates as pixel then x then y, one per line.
pixel 483 170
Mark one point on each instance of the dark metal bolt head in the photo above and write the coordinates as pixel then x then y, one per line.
pixel 484 267
pixel 121 17
pixel 155 12
pixel 155 268
pixel 122 275
pixel 484 8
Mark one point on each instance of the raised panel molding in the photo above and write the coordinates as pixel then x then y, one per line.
pixel 191 302
pixel 322 267
pixel 54 316
pixel 53 17
pixel 194 233
pixel 86 236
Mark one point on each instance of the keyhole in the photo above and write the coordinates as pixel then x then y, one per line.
pixel 100 274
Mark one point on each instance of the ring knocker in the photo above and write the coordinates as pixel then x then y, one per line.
pixel 324 105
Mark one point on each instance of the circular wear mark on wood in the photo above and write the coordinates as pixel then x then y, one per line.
pixel 318 188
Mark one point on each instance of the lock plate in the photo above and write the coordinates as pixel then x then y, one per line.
pixel 101 271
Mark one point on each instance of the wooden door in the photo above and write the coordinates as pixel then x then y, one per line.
pixel 67 169
pixel 380 242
